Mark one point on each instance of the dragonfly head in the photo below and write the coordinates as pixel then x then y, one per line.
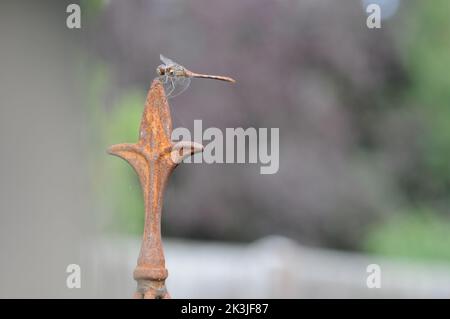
pixel 165 70
pixel 161 70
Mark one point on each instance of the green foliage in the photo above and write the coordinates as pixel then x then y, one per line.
pixel 419 235
pixel 428 62
pixel 117 188
pixel 424 233
pixel 91 8
pixel 123 184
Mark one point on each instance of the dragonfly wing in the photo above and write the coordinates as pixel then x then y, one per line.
pixel 180 85
pixel 168 85
pixel 166 61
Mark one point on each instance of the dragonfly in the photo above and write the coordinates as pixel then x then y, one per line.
pixel 176 78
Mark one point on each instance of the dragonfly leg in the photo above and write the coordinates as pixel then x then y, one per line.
pixel 173 87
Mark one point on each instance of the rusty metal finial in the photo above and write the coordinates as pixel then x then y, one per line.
pixel 154 157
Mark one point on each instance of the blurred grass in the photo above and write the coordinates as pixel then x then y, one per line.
pixel 416 235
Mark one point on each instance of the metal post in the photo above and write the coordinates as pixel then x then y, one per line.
pixel 154 157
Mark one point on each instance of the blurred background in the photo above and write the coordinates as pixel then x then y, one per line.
pixel 364 119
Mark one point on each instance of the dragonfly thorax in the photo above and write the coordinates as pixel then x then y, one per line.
pixel 172 71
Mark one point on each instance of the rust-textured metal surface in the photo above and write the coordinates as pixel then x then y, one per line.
pixel 154 157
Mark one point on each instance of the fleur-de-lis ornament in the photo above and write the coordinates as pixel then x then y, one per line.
pixel 154 157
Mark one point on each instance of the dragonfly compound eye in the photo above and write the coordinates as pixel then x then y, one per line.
pixel 160 70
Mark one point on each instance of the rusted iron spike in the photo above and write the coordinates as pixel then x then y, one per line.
pixel 154 157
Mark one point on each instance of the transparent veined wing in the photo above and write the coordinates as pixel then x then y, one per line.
pixel 174 86
pixel 166 61
pixel 168 85
pixel 180 84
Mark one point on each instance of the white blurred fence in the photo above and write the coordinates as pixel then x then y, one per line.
pixel 270 268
